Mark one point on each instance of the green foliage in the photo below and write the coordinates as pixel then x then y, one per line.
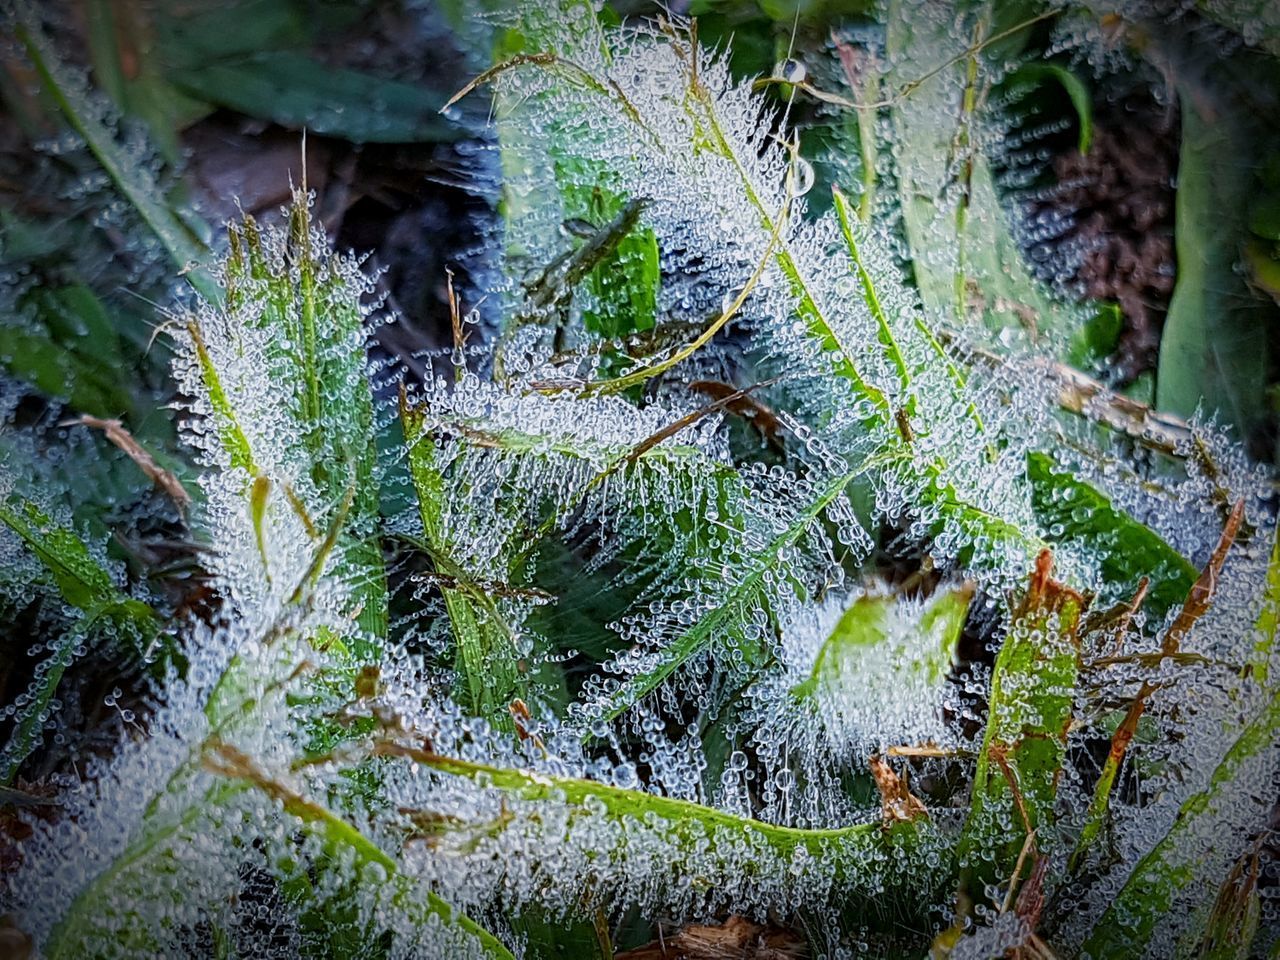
pixel 105 612
pixel 1214 346
pixel 1170 868
pixel 297 91
pixel 1076 511
pixel 179 239
pixel 863 625
pixel 1015 786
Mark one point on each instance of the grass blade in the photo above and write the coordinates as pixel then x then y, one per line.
pixel 736 598
pixel 184 248
pixel 1174 865
pixel 1028 713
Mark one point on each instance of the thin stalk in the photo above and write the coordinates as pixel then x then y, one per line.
pixel 963 151
pixel 698 636
pixel 301 230
pixel 184 249
pixel 684 816
pixel 230 432
pixel 870 294
pixel 1197 604
pixel 1170 867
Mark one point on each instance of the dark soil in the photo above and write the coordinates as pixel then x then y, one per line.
pixel 1119 199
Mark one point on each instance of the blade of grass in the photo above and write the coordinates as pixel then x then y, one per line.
pixel 1173 865
pixel 182 245
pixel 232 435
pixel 846 847
pixel 28 722
pixel 81 580
pixel 79 577
pixel 1235 917
pixel 1028 713
pixel 1129 549
pixel 487 670
pixel 729 607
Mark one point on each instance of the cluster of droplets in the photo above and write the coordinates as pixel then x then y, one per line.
pixel 279 407
pixel 721 195
pixel 149 800
pixel 856 676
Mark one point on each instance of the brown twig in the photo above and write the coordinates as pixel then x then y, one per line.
pixel 897 804
pixel 745 406
pixel 1201 594
pixel 1028 844
pixel 673 428
pixel 1118 618
pixel 115 432
pixel 928 751
pixel 455 325
pixel 1000 754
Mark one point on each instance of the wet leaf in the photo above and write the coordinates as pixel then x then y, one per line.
pixel 1075 510
pixel 1033 684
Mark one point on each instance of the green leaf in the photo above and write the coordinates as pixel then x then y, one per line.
pixel 852 852
pixel 296 91
pixel 1214 345
pixel 1076 89
pixel 1175 865
pixel 1097 338
pixel 1028 714
pixel 79 577
pixel 84 584
pixel 185 249
pixel 1071 509
pixel 625 287
pixel 731 608
pixel 864 625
